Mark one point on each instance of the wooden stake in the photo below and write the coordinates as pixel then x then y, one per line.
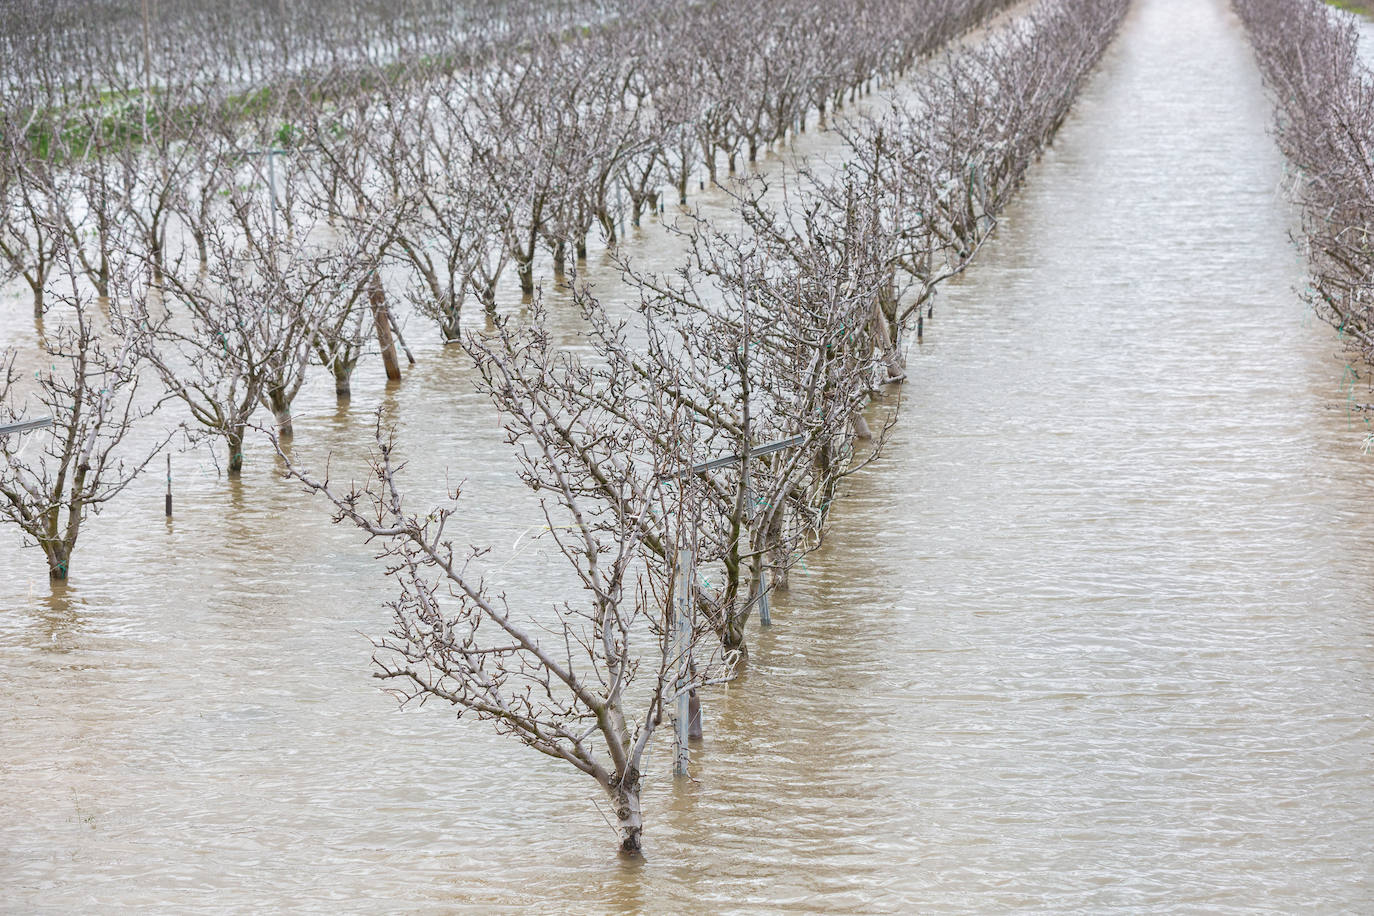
pixel 381 318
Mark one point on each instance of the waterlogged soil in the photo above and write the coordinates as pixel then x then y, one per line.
pixel 1096 634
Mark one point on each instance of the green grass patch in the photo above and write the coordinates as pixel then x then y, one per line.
pixel 1358 7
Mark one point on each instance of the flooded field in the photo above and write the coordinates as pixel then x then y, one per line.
pixel 1096 633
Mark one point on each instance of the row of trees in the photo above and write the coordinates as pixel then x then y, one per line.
pixel 1324 98
pixel 713 427
pixel 56 54
pixel 506 156
pixel 245 239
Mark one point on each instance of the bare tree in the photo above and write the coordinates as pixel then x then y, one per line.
pixel 249 325
pixel 31 213
pixel 586 681
pixel 91 391
pixel 1324 98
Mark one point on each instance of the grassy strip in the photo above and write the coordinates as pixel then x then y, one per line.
pixel 1358 7
pixel 116 120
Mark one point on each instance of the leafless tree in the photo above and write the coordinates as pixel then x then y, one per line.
pixel 31 213
pixel 91 390
pixel 247 327
pixel 1324 97
pixel 945 164
pixel 586 681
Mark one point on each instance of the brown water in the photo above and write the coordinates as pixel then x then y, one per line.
pixel 1096 635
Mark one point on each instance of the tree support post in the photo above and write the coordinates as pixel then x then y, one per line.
pixel 760 568
pixel 381 318
pixel 682 639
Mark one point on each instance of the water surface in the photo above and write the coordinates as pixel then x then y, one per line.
pixel 1095 635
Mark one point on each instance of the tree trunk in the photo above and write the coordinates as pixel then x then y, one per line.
pixel 58 558
pixel 343 376
pixel 281 411
pixel 452 315
pixel 732 637
pixel 524 269
pixel 38 301
pixel 860 426
pixel 625 801
pixel 882 332
pixel 781 561
pixel 155 256
pixel 607 226
pixel 560 257
pixel 235 438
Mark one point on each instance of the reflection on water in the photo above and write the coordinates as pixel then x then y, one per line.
pixel 1096 634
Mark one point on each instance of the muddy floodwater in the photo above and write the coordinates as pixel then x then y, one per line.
pixel 1096 633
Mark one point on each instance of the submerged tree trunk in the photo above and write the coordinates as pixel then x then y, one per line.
pixel 235 440
pixel 781 561
pixel 452 323
pixel 629 817
pixel 343 379
pixel 524 269
pixel 732 637
pixel 607 226
pixel 59 556
pixel 281 411
pixel 883 333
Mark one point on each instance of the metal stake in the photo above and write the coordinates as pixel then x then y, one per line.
pixel 25 426
pixel 682 637
pixel 272 188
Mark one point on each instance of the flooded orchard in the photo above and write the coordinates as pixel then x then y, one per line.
pixel 1094 633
